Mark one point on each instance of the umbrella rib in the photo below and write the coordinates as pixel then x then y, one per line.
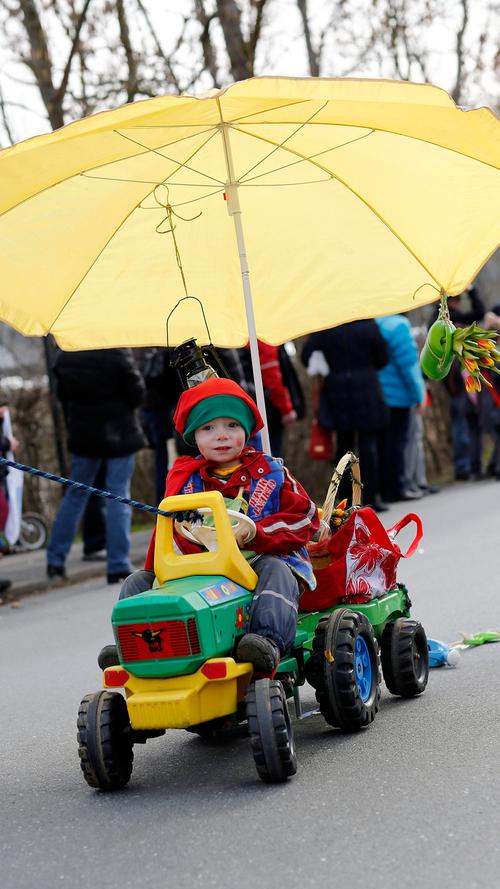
pixel 119 226
pixel 281 144
pixel 146 149
pixel 267 110
pixel 173 160
pixel 84 174
pixel 301 160
pixel 356 194
pixel 181 203
pixel 94 261
pixel 147 181
pixel 108 241
pixel 376 130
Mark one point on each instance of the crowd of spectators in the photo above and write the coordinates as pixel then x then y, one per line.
pixel 372 400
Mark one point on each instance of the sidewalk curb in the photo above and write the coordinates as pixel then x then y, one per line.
pixel 28 570
pixel 38 587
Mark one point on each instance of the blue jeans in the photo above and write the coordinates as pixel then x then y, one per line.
pixel 84 469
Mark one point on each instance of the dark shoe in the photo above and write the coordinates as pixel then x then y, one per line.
pixel 260 651
pixel 96 556
pixel 118 578
pixel 5 585
pixel 56 571
pixel 462 476
pixel 430 489
pixel 108 657
pixel 380 506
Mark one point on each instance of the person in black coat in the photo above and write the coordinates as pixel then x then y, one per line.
pixel 163 390
pixel 100 390
pixel 351 402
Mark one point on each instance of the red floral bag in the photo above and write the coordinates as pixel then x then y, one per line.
pixel 358 562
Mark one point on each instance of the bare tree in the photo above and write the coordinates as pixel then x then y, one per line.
pixel 73 72
pixel 81 56
pixel 313 52
pixel 40 61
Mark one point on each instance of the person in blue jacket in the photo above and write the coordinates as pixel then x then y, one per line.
pixel 403 387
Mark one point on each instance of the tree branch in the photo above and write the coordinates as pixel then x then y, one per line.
pixel 61 90
pixel 312 54
pixel 5 120
pixel 230 20
pixel 161 52
pixel 457 89
pixel 40 62
pixel 129 52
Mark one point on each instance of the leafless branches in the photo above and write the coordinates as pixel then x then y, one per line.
pixel 85 55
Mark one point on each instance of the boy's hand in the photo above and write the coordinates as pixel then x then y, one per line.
pixel 242 535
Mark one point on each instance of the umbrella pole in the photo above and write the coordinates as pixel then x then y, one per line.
pixel 234 210
pixel 252 333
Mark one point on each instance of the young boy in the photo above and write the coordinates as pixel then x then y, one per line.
pixel 219 417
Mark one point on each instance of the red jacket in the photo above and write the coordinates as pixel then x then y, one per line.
pixel 294 503
pixel 272 378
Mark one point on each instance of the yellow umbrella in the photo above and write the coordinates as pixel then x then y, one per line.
pixel 356 198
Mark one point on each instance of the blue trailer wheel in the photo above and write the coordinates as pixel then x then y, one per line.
pixel 363 668
pixel 345 669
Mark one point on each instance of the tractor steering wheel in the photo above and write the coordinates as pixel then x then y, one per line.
pixel 206 534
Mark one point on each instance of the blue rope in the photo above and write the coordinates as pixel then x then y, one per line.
pixel 191 515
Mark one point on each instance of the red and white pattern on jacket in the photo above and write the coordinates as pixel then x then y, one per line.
pixel 280 533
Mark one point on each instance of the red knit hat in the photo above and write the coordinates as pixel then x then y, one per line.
pixel 214 387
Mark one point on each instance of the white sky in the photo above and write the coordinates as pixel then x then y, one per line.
pixel 281 51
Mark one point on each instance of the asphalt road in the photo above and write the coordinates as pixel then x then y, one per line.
pixel 413 800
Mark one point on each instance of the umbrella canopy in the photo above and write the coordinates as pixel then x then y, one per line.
pixel 358 198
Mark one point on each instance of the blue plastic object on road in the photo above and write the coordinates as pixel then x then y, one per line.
pixel 441 654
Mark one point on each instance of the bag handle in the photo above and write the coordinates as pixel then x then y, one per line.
pixel 409 517
pixel 351 460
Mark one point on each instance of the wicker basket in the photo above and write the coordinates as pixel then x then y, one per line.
pixel 318 550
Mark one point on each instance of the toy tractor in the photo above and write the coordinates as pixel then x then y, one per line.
pixel 176 647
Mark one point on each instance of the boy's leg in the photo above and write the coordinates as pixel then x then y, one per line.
pixel 273 618
pixel 138 582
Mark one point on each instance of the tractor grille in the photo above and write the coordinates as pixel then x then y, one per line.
pixel 159 640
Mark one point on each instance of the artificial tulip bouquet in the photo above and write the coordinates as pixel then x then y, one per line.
pixel 473 347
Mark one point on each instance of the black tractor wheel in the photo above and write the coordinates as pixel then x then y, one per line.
pixel 345 670
pixel 105 740
pixel 271 734
pixel 405 657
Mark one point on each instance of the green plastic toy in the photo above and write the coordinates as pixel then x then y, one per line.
pixel 176 647
pixel 472 346
pixel 437 354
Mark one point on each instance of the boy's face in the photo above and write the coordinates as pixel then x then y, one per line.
pixel 221 440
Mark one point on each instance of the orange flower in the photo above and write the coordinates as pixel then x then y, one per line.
pixel 486 361
pixel 470 384
pixel 478 384
pixel 470 364
pixel 486 344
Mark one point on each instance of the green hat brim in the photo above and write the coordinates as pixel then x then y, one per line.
pixel 218 406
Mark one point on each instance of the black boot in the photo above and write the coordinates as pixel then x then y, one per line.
pixel 260 651
pixel 108 657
